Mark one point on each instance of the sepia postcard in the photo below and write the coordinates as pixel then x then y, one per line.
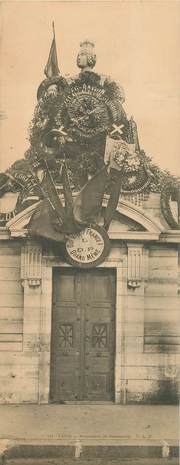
pixel 89 232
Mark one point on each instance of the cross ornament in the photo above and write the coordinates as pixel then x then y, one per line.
pixel 117 129
pixel 57 132
pixel 61 131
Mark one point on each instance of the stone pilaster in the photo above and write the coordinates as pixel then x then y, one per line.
pixel 135 265
pixel 31 281
pixel 31 255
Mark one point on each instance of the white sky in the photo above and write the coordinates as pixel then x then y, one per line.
pixel 137 43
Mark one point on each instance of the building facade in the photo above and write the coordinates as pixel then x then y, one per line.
pixel 96 326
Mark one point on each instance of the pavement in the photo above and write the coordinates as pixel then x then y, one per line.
pixel 104 434
pixel 171 461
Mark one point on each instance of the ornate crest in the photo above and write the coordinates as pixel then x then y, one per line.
pixel 88 248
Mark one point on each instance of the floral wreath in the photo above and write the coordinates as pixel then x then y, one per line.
pixel 169 191
pixel 136 175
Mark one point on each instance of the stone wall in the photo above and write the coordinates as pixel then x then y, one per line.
pixel 11 302
pixel 147 317
pixel 152 373
pixel 18 369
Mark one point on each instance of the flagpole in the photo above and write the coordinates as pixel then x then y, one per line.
pixel 51 69
pixel 53 28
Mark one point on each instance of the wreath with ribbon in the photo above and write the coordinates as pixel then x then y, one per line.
pixel 170 192
pixel 48 112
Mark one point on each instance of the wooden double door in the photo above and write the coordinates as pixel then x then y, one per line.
pixel 83 335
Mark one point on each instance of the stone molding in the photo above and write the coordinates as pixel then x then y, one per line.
pixel 31 256
pixel 17 225
pixel 135 265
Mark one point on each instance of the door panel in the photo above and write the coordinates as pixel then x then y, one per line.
pixel 65 347
pixel 83 335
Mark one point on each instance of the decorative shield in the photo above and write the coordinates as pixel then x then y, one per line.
pixel 88 248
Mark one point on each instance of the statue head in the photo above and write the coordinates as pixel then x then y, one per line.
pixel 86 58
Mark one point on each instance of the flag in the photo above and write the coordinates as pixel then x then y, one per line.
pixel 116 153
pixel 52 68
pixel 52 220
pixel 67 191
pixel 69 225
pixel 44 223
pixel 117 179
pixel 51 193
pixel 89 201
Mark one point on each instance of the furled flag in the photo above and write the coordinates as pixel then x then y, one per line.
pixel 44 223
pixel 52 68
pixel 88 203
pixel 116 185
pixel 51 219
pixel 69 226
